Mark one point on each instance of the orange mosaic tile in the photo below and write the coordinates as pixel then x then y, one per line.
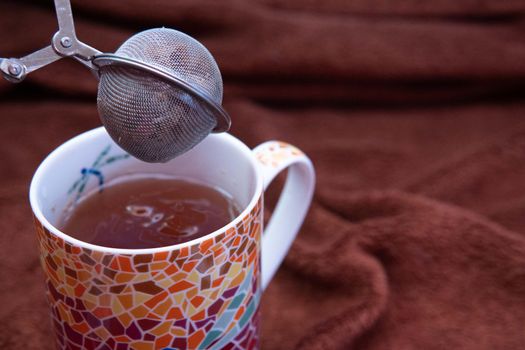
pixel 126 300
pixel 197 300
pixel 142 345
pixel 175 313
pixel 160 256
pixel 205 246
pixel 180 286
pixel 81 327
pixel 114 263
pixel 122 339
pixel 123 277
pixel 139 312
pixel 159 265
pixel 199 316
pixel 189 266
pixel 217 282
pixel 163 307
pixel 124 263
pixel 239 313
pixel 191 293
pixel 183 252
pixel 102 312
pixel 163 328
pixel 156 299
pixel 163 341
pixel 125 319
pixel 171 269
pixel 79 290
pixel 178 332
pixel 195 339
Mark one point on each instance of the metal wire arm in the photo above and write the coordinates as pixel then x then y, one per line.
pixel 63 44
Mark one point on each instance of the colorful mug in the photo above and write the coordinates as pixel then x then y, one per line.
pixel 196 295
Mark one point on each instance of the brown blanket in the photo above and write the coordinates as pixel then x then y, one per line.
pixel 413 113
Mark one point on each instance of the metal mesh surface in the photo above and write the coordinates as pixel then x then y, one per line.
pixel 153 119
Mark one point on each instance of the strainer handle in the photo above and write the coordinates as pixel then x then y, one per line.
pixel 15 70
pixel 65 41
pixel 63 44
pixel 274 157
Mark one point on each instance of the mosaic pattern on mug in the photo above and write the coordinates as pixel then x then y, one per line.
pixel 202 296
pixel 274 154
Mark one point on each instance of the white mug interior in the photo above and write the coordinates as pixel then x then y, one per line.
pixel 92 159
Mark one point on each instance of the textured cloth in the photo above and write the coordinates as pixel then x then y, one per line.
pixel 413 114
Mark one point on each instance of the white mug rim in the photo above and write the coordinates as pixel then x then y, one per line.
pixel 97 132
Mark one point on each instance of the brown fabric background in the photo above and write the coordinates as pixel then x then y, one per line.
pixel 413 114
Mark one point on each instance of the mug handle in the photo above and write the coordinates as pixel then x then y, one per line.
pixel 290 211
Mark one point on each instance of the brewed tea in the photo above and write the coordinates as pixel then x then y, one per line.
pixel 149 211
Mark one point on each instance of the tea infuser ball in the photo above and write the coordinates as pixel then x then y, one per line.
pixel 156 119
pixel 159 95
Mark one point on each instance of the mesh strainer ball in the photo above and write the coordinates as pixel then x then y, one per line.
pixel 160 94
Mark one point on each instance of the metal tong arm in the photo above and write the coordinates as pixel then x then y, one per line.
pixel 65 41
pixel 63 44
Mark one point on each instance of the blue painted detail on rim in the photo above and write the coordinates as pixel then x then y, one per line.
pixel 86 173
